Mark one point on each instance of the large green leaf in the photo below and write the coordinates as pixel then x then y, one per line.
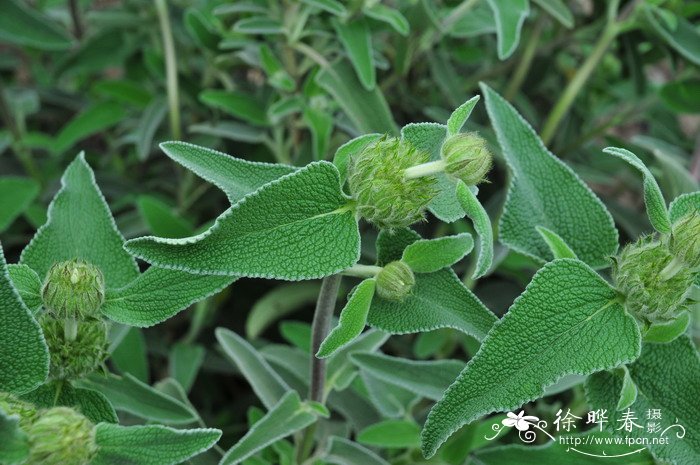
pixel 236 177
pixel 93 404
pixel 357 41
pixel 510 16
pixel 15 443
pixel 150 444
pixel 667 377
pixel 16 194
pixel 546 192
pixel 81 226
pixel 22 25
pixel 24 357
pixel 298 227
pixel 159 294
pixel 28 285
pixel 567 321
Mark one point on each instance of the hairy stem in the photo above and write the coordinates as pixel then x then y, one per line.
pixel 170 68
pixel 362 271
pixel 672 269
pixel 425 169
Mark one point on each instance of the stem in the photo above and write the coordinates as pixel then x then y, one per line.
pixel 672 269
pixel 362 271
pixel 170 68
pixel 425 169
pixel 70 329
pixel 77 21
pixel 571 92
pixel 525 61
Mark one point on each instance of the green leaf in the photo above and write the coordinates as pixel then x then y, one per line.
pixel 320 124
pixel 430 255
pixel 236 177
pixel 684 37
pixel 15 443
pixel 281 231
pixel 94 119
pixel 16 194
pixel 258 25
pixel 682 96
pixel 232 130
pixel 628 393
pixel 367 110
pixel 24 357
pixel 185 361
pixel 352 319
pixel 391 400
pixel 340 371
pixel 28 285
pixel 124 90
pixel 148 124
pixel 357 42
pixel 92 404
pixel 390 16
pixel 345 452
pixel 331 6
pixel 266 383
pixel 150 444
pixel 510 16
pixel 22 25
pixel 545 335
pixel 280 301
pixel 159 294
pixel 558 10
pixel 130 395
pixel 546 192
pixel 482 225
pixel 666 376
pixel 559 248
pixel 669 331
pixel 428 379
pixel 80 225
pixel 199 28
pixel 131 354
pixel 238 104
pixel 277 75
pixel 391 434
pixel 684 204
pixel 653 198
pixel 459 117
pixel 345 152
pixel 297 333
pixel 160 218
pixel 286 417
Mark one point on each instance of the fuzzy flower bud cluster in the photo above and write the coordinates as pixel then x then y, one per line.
pixel 395 281
pixel 73 289
pixel 467 158
pixel 61 436
pixel 376 181
pixel 684 242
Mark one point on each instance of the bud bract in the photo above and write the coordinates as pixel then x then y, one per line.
pixel 376 180
pixel 395 281
pixel 685 239
pixel 73 289
pixel 61 436
pixel 76 348
pixel 467 157
pixel 12 406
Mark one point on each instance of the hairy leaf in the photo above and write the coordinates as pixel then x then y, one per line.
pixel 161 219
pixel 92 404
pixel 90 121
pixel 357 41
pixel 345 152
pixel 22 25
pixel 331 6
pixel 391 433
pixel 16 194
pixel 559 248
pixel 280 301
pixel 459 117
pixel 558 10
pixel 684 204
pixel 430 255
pixel 684 37
pixel 482 225
pixel 510 16
pixel 28 285
pixel 185 361
pixel 342 451
pixel 238 104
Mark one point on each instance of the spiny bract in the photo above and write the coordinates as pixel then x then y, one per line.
pixel 61 436
pixel 74 356
pixel 395 281
pixel 73 289
pixel 685 239
pixel 467 158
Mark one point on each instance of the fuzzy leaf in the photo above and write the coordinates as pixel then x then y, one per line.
pixel 430 255
pixel 546 192
pixel 390 16
pixel 298 227
pixel 284 418
pixel 390 400
pixel 352 320
pixel 23 25
pixel 653 198
pixel 28 285
pixel 345 452
pixel 15 443
pixel 482 225
pixel 16 194
pixel 129 353
pixel 238 104
pixel 88 122
pixel 628 393
pixel 266 383
pixel 345 152
pixel 667 377
pixel 80 225
pixel 392 434
pixel 559 248
pixel 684 204
pixel 148 124
pixel 558 10
pixel 340 371
pixel 320 124
pixel 357 41
pixel 159 294
pixel 567 321
pixel 24 357
pixel 92 404
pixel 161 219
pixel 185 362
pixel 510 16
pixel 236 177
pixel 150 444
pixel 280 301
pixel 669 331
pixel 460 116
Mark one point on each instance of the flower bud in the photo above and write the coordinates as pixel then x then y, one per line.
pixel 13 406
pixel 395 281
pixel 685 239
pixel 467 157
pixel 652 294
pixel 73 289
pixel 76 348
pixel 61 436
pixel 376 181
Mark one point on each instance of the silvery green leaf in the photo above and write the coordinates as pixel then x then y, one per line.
pixel 482 225
pixel 28 285
pixel 559 248
pixel 357 41
pixel 431 255
pixel 23 25
pixel 16 194
pixel 342 451
pixel 510 16
pixel 93 404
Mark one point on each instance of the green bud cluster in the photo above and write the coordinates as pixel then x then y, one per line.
pixel 61 436
pixel 684 242
pixel 377 183
pixel 73 289
pixel 467 157
pixel 395 281
pixel 76 347
pixel 655 286
pixel 13 406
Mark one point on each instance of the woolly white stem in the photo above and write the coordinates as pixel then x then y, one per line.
pixel 425 169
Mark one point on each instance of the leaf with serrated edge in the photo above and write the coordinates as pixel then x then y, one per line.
pixel 667 377
pixel 297 227
pixel 352 319
pixel 510 16
pixel 653 198
pixel 482 225
pixel 456 121
pixel 288 416
pixel 150 444
pixel 546 192
pixel 92 404
pixel 559 248
pixel 24 357
pixel 266 384
pixel 80 226
pixel 567 321
pixel 236 177
pixel 159 294
pixel 28 285
pixel 430 255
